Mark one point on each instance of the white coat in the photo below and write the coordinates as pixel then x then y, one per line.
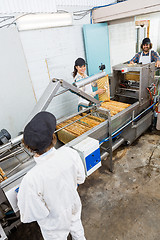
pixel 87 89
pixel 48 194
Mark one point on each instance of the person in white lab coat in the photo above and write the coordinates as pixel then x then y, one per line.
pixel 147 55
pixel 48 192
pixel 78 74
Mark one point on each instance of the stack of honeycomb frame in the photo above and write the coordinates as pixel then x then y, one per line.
pixel 114 107
pixel 77 128
pixel 2 175
pixel 133 76
pixel 103 83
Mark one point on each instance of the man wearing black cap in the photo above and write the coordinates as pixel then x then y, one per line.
pixel 147 55
pixel 48 192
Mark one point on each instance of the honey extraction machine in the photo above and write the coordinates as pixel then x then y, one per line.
pixel 94 132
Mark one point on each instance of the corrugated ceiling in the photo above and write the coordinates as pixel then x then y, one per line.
pixel 27 6
pixel 45 6
pixel 83 2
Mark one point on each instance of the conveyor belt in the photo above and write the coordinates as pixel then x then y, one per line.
pixel 114 106
pixel 75 129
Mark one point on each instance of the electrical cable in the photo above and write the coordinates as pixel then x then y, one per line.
pixel 20 17
pixel 62 11
pixel 14 21
pixel 123 85
pixel 150 95
pixel 6 25
pixel 6 18
pixel 81 14
pixel 78 15
pixel 107 139
pixel 154 89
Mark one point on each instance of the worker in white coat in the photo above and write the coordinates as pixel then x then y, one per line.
pixel 48 192
pixel 78 74
pixel 147 55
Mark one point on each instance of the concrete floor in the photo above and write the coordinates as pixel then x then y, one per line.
pixel 123 205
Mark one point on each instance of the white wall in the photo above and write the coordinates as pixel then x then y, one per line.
pixel 56 48
pixel 122 37
pixel 17 95
pixel 154 32
pixel 122 40
pixel 52 52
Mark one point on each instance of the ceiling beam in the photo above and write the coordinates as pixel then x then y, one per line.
pixel 125 9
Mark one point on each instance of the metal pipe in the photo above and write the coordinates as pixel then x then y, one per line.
pixel 76 90
pixel 5 147
pixel 110 140
pixel 17 175
pixel 11 143
pixel 115 146
pixel 17 139
pixel 88 80
pixel 71 123
pixel 12 154
pixel 93 107
pixel 17 166
pixel 63 91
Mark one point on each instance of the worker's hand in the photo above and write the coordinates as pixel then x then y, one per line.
pixel 131 62
pixel 100 91
pixel 157 64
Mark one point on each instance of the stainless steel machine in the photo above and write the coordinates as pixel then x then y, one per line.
pixel 129 84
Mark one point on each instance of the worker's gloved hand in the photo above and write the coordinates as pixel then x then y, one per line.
pixel 100 91
pixel 131 63
pixel 157 64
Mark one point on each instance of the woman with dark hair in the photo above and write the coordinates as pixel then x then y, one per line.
pixel 79 73
pixel 147 55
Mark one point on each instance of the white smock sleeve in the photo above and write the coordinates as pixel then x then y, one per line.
pixel 80 167
pixel 30 202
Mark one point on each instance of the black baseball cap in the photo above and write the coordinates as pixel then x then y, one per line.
pixel 80 62
pixel 38 133
pixel 146 41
